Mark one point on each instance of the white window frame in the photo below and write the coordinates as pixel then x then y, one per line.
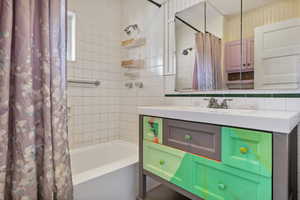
pixel 71 43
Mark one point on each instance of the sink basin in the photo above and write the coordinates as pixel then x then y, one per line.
pixel 211 110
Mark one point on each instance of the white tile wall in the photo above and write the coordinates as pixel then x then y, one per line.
pixel 94 111
pixel 151 22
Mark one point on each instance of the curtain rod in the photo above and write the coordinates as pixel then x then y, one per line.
pixel 189 25
pixel 192 27
pixel 155 3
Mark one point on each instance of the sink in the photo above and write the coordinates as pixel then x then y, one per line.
pixel 275 121
pixel 213 110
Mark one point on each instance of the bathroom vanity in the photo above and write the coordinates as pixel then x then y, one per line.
pixel 215 154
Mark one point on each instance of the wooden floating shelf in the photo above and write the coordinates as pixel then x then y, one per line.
pixel 132 43
pixel 132 63
pixel 240 82
pixel 132 75
pixel 238 70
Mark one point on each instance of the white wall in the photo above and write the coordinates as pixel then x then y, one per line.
pixel 94 111
pixel 215 22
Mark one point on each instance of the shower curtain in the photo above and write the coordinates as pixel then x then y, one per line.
pixel 207 70
pixel 199 81
pixel 34 154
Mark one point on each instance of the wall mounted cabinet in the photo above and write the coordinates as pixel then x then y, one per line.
pixel 239 69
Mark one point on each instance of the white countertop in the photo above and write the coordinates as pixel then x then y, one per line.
pixel 273 121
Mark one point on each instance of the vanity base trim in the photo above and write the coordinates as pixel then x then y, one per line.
pixel 169 185
pixel 161 192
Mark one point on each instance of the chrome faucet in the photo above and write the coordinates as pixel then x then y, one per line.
pixel 224 104
pixel 213 103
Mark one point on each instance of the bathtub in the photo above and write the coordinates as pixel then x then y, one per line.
pixel 105 172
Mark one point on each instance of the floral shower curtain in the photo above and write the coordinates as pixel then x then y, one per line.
pixel 207 71
pixel 34 154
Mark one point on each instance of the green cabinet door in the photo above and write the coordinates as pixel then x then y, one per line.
pixel 247 150
pixel 214 181
pixel 167 163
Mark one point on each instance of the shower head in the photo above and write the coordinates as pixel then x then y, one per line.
pixel 129 29
pixel 186 51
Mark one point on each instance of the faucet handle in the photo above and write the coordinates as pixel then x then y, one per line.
pixel 226 100
pixel 213 102
pixel 210 99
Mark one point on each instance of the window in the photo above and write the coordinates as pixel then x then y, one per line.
pixel 71 42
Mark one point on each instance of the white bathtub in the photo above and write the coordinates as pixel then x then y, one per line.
pixel 105 172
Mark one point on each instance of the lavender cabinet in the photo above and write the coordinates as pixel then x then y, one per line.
pixel 233 60
pixel 248 54
pixel 233 56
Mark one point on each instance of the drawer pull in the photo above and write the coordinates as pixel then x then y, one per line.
pixel 221 187
pixel 188 137
pixel 244 150
pixel 161 162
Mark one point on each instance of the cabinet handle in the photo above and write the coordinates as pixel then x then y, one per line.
pixel 187 137
pixel 221 187
pixel 161 162
pixel 244 150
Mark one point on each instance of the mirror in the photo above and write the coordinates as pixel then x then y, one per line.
pixel 204 45
pixel 238 44
pixel 271 44
pixel 187 25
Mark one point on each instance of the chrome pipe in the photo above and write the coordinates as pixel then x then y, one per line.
pixel 96 83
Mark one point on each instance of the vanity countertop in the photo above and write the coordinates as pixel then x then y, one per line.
pixel 273 121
